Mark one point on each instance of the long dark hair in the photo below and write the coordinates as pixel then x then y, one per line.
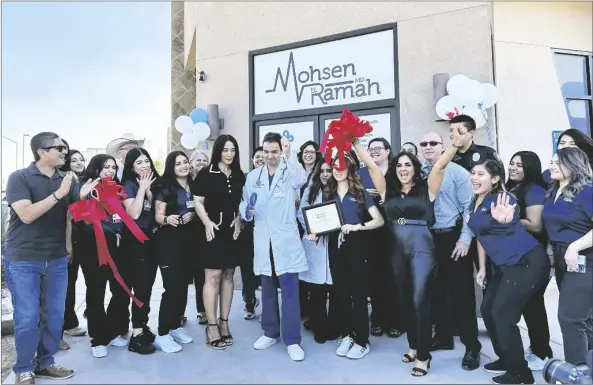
pixel 308 143
pixel 315 185
pixel 217 152
pixel 66 167
pixel 131 157
pixel 96 165
pixel 393 184
pixel 581 140
pixel 167 184
pixel 494 168
pixel 386 145
pixel 532 171
pixel 355 186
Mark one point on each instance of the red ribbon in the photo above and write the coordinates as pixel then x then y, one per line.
pixel 100 208
pixel 343 131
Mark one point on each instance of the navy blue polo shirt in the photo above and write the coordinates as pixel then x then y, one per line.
pixel 183 199
pixel 114 225
pixel 505 244
pixel 352 211
pixel 146 219
pixel 45 238
pixel 535 196
pixel 568 219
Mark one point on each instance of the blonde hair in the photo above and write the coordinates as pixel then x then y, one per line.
pixel 197 152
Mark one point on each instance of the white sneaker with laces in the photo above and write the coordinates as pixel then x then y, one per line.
pixel 119 341
pixel 346 344
pixel 99 351
pixel 264 342
pixel 167 344
pixel 180 336
pixel 536 364
pixel 295 352
pixel 357 351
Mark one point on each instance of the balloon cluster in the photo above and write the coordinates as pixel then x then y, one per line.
pixel 467 97
pixel 193 128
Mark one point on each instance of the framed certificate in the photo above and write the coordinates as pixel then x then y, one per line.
pixel 323 218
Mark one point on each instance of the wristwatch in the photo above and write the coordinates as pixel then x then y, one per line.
pixel 165 220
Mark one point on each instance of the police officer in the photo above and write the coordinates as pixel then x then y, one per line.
pixel 470 153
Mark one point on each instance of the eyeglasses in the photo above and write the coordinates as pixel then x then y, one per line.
pixel 432 144
pixel 309 152
pixel 60 148
pixel 377 150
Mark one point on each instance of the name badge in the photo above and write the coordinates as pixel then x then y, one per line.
pixel 116 218
pixel 147 205
pixel 190 204
pixel 278 193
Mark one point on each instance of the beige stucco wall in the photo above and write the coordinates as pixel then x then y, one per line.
pixel 451 37
pixel 531 106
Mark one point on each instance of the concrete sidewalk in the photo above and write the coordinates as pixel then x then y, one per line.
pixel 240 363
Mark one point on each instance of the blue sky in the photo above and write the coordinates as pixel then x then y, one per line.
pixel 88 71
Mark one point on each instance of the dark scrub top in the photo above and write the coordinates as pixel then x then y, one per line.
pixel 527 196
pixel 547 177
pixel 184 201
pixel 367 182
pixel 222 194
pixel 568 219
pixel 114 225
pixel 505 244
pixel 414 205
pixel 477 153
pixel 146 219
pixel 353 212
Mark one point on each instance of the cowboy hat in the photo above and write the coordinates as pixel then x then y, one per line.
pixel 114 145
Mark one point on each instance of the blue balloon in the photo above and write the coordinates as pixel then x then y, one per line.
pixel 198 115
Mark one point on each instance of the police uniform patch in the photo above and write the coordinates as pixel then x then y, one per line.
pixel 476 157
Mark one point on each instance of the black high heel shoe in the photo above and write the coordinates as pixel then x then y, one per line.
pixel 228 339
pixel 419 372
pixel 217 344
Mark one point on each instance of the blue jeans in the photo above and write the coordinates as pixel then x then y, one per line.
pixel 38 296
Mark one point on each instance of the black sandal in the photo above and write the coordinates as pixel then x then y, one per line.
pixel 217 344
pixel 228 339
pixel 394 333
pixel 419 372
pixel 376 331
pixel 406 358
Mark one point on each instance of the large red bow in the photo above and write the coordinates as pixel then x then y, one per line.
pixel 343 131
pixel 101 208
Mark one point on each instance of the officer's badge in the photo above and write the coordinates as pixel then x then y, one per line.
pixel 476 157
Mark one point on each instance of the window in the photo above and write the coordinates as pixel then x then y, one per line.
pixel 574 71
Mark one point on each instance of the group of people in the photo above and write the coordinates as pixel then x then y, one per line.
pixel 415 236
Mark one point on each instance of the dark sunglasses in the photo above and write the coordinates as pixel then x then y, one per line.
pixel 60 148
pixel 432 144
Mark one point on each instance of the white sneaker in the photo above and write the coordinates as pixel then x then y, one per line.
pixel 166 344
pixel 346 344
pixel 295 352
pixel 357 351
pixel 119 341
pixel 264 342
pixel 180 336
pixel 99 351
pixel 536 364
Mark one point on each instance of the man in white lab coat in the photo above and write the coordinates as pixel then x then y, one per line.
pixel 279 254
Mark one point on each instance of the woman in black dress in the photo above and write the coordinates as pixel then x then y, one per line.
pixel 217 193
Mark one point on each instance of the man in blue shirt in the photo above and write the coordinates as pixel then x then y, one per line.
pixel 454 295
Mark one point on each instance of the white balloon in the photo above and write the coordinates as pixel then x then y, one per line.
pixel 189 141
pixel 184 124
pixel 472 95
pixel 448 106
pixel 479 115
pixel 490 95
pixel 457 84
pixel 201 130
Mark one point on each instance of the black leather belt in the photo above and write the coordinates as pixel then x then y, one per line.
pixel 445 230
pixel 413 222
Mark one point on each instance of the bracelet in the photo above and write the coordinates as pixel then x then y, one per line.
pixel 55 196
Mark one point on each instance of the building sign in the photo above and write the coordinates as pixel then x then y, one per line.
pixel 555 137
pixel 297 133
pixel 352 70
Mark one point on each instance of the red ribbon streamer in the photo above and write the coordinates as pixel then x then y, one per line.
pixel 343 131
pixel 100 208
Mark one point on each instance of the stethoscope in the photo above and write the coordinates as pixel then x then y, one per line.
pixel 283 177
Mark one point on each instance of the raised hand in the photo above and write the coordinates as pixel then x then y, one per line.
pixel 88 187
pixel 64 188
pixel 285 146
pixel 145 181
pixel 502 211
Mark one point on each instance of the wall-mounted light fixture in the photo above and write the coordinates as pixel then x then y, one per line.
pixel 201 76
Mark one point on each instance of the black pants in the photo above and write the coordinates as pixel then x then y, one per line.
pixel 323 317
pixel 250 281
pixel 511 287
pixel 349 274
pixel 536 319
pixel 386 311
pixel 414 266
pixel 139 268
pixel 103 326
pixel 70 318
pixel 454 295
pixel 575 303
pixel 176 249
